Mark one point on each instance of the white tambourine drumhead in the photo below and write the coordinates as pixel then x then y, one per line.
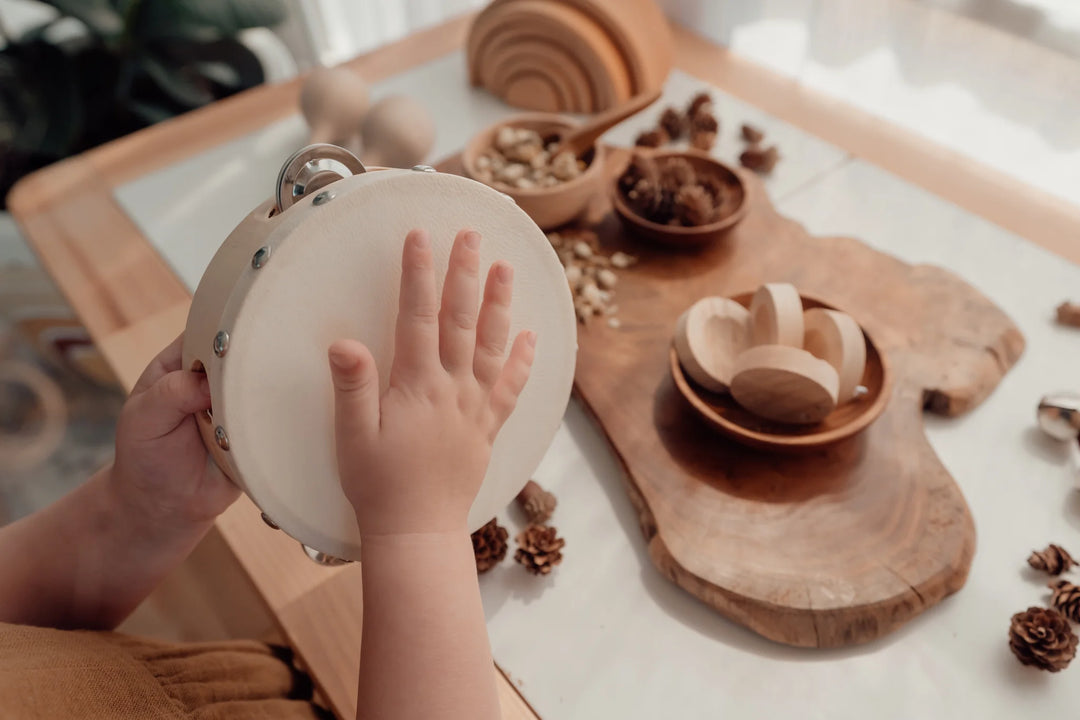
pixel 284 286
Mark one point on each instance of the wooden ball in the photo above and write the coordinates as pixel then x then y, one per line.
pixel 397 132
pixel 709 336
pixel 785 384
pixel 334 102
pixel 776 316
pixel 837 339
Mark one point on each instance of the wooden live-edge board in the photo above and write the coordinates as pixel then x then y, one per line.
pixel 875 529
pixel 122 289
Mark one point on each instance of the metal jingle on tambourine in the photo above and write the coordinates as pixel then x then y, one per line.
pixel 1059 415
pixel 323 558
pixel 312 168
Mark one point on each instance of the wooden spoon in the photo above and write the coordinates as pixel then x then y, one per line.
pixel 579 139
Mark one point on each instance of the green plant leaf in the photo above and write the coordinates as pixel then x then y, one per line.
pixel 221 73
pixel 41 94
pixel 98 15
pixel 179 82
pixel 150 113
pixel 206 20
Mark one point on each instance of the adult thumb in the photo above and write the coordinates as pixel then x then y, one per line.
pixel 356 390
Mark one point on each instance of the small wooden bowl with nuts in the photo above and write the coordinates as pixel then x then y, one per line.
pixel 680 198
pixel 513 157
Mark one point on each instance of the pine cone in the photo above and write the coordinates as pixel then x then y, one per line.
pixel 640 168
pixel 652 138
pixel 702 140
pixel 702 102
pixel 676 173
pixel 1054 560
pixel 751 134
pixel 1066 599
pixel 1068 313
pixel 1042 638
pixel 489 545
pixel 674 123
pixel 693 206
pixel 645 198
pixel 758 160
pixel 704 121
pixel 714 186
pixel 536 502
pixel 539 547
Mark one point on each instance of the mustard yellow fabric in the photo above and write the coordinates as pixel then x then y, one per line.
pixel 50 674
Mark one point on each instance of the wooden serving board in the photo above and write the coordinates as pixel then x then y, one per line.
pixel 826 548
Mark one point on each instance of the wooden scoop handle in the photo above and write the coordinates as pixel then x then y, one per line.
pixel 581 138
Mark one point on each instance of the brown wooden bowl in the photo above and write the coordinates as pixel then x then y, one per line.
pixel 723 413
pixel 549 207
pixel 678 235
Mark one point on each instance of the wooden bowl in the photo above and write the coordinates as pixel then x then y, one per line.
pixel 678 235
pixel 549 207
pixel 723 413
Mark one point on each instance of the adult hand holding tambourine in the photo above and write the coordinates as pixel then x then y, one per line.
pixel 322 261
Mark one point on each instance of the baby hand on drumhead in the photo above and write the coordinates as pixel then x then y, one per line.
pixel 412 459
pixel 162 471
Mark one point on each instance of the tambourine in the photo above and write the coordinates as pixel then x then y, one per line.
pixel 322 261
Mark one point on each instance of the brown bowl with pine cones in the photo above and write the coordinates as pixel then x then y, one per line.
pixel 680 198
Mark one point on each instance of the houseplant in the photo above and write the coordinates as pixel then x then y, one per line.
pixel 131 63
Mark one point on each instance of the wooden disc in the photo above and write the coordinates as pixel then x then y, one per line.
pixel 785 384
pixel 776 316
pixel 837 339
pixel 709 336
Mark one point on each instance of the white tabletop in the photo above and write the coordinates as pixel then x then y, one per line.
pixel 606 636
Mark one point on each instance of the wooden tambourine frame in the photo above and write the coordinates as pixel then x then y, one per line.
pixel 322 261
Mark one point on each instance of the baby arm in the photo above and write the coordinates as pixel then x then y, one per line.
pixel 90 558
pixel 411 463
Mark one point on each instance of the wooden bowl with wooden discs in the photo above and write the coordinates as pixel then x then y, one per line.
pixel 722 412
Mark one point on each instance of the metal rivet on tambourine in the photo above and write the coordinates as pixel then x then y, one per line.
pixel 221 437
pixel 424 168
pixel 324 197
pixel 322 558
pixel 261 257
pixel 221 343
pixel 266 519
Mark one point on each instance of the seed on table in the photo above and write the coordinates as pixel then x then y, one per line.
pixel 582 249
pixel 592 295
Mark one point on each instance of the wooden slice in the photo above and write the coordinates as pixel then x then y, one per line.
pixel 776 316
pixel 828 548
pixel 785 384
pixel 709 337
pixel 837 339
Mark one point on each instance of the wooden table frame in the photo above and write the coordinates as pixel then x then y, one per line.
pixel 132 303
